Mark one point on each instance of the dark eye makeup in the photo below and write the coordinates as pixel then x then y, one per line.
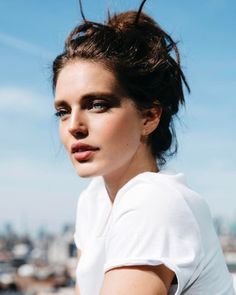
pixel 61 113
pixel 96 104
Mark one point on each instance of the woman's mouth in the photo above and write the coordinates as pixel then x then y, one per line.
pixel 83 152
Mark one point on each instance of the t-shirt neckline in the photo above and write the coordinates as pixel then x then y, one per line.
pixel 129 182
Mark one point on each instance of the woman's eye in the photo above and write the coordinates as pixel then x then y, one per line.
pixel 100 106
pixel 61 113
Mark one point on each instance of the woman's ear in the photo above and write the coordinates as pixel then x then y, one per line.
pixel 151 119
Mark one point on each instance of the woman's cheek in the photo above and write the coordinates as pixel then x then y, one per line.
pixel 64 136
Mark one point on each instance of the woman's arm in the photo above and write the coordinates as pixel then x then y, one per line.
pixel 77 291
pixel 137 280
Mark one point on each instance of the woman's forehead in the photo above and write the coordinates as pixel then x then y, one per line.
pixel 84 77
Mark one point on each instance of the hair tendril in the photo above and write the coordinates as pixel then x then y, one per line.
pixel 139 12
pixel 81 11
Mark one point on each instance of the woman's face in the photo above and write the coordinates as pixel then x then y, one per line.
pixel 100 127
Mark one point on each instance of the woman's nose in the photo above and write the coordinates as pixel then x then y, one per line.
pixel 77 125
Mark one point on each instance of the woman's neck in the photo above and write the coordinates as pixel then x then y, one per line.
pixel 136 166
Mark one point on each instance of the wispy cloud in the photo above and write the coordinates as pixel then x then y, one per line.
pixel 25 46
pixel 20 100
pixel 33 172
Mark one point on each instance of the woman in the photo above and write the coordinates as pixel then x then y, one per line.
pixel 138 229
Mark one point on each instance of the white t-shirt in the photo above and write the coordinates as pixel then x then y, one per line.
pixel 155 219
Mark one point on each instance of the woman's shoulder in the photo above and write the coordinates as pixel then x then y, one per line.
pixel 158 186
pixel 162 192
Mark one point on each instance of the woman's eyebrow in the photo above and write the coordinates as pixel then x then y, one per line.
pixel 59 103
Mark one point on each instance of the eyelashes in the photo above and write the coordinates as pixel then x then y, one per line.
pixel 96 106
pixel 100 105
pixel 61 113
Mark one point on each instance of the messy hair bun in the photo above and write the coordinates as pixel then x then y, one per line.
pixel 141 54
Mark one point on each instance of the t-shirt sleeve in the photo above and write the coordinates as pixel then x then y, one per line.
pixel 152 226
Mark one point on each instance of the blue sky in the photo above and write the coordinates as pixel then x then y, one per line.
pixel 38 185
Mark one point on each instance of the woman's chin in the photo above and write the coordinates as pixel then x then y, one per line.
pixel 86 171
pixel 84 175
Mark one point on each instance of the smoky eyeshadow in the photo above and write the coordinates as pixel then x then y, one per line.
pixel 111 99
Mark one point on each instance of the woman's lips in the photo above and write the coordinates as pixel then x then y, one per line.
pixel 82 152
pixel 84 155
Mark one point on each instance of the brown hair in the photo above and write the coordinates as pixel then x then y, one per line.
pixel 141 55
